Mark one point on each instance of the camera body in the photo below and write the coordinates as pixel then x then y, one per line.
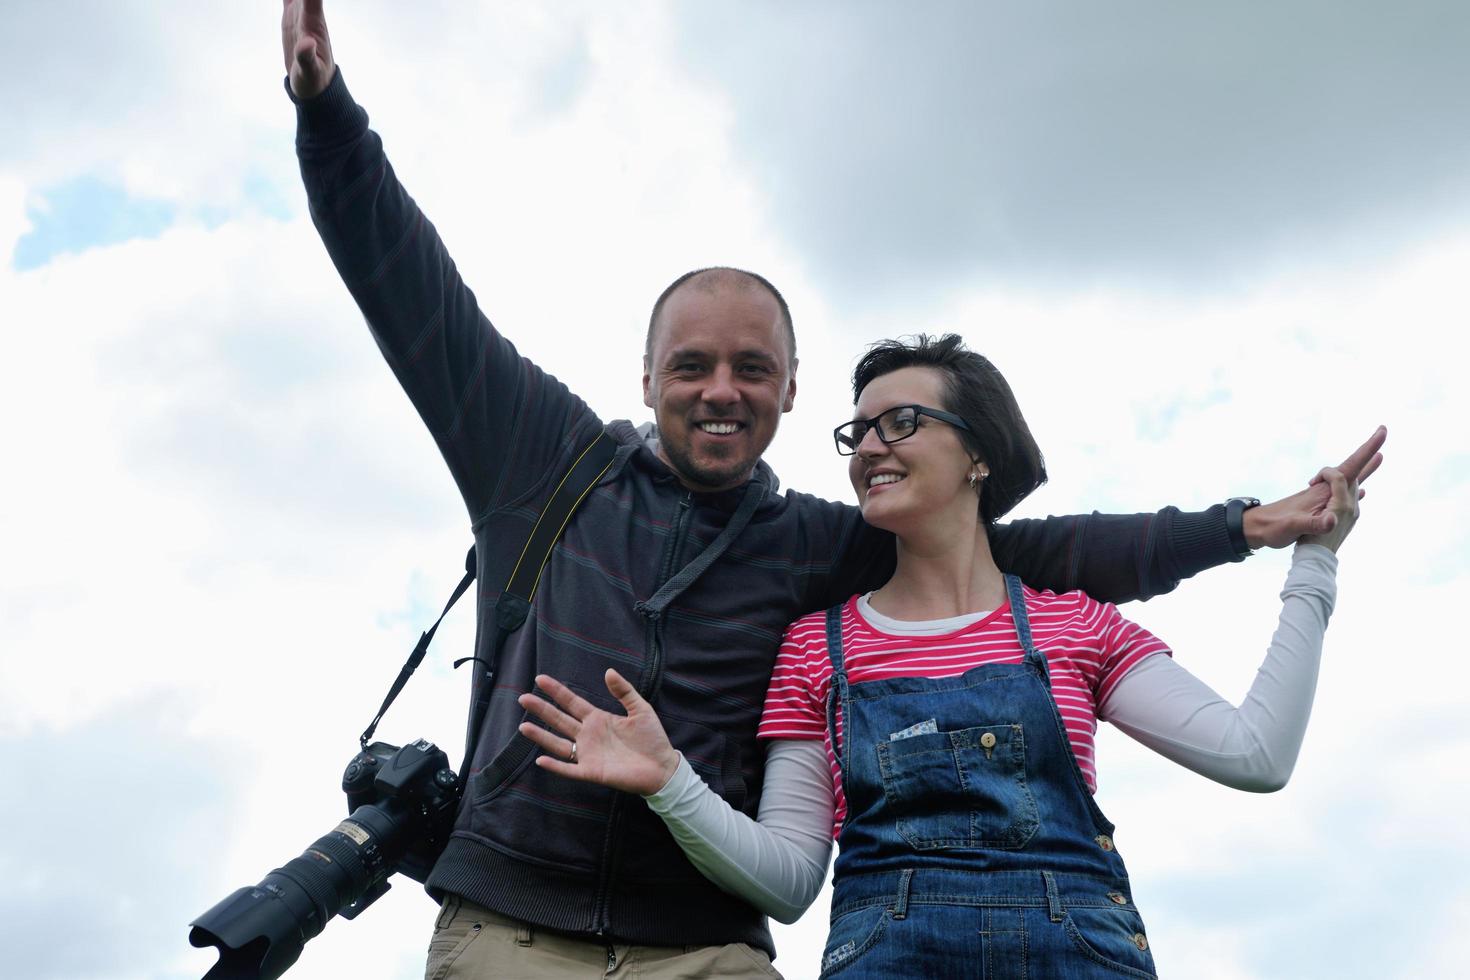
pixel 401 804
pixel 418 779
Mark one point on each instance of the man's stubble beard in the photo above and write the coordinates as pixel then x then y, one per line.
pixel 704 476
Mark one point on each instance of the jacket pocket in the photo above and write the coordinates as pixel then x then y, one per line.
pixel 960 789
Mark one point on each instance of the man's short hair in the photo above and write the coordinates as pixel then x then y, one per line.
pixel 717 277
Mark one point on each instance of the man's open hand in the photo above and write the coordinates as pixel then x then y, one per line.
pixel 1311 512
pixel 629 752
pixel 306 46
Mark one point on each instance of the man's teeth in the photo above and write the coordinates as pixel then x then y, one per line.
pixel 719 428
pixel 883 478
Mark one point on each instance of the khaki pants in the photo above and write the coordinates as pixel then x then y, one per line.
pixel 473 943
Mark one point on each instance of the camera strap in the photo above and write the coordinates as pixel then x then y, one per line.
pixel 514 603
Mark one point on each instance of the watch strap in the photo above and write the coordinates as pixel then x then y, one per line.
pixel 1235 509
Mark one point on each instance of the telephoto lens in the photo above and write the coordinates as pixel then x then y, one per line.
pixel 260 930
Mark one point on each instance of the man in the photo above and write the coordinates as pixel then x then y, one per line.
pixel 681 568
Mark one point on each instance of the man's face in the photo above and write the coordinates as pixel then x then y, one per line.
pixel 718 379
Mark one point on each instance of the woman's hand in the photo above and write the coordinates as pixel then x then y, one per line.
pixel 1340 512
pixel 629 753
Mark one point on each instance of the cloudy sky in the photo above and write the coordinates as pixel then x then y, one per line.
pixel 1210 248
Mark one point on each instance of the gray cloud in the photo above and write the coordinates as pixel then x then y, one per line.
pixel 88 60
pixel 106 828
pixel 1184 144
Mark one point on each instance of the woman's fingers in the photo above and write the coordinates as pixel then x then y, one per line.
pixel 1340 497
pixel 1339 512
pixel 1344 491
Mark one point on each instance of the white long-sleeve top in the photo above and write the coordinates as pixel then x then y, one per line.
pixel 778 862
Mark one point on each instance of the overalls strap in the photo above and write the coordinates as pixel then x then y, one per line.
pixel 1023 625
pixel 837 690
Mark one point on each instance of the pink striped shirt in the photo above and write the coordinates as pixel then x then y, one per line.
pixel 1088 645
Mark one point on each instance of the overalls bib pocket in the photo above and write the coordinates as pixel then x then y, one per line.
pixel 959 789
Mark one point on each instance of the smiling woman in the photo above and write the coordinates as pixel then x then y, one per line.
pixel 942 726
pixel 987 420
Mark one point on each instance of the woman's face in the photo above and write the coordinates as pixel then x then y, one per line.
pixel 920 483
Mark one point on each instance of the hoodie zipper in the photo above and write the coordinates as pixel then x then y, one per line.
pixel 652 675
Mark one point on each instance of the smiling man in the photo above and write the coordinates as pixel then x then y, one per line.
pixel 719 371
pixel 682 567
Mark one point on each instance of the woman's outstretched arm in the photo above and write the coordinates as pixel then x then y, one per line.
pixel 1254 746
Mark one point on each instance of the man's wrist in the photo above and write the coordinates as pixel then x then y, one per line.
pixel 1236 509
pixel 328 115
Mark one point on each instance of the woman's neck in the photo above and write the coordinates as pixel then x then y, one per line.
pixel 942 576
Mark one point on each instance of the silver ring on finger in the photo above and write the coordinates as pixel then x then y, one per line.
pixel 573 757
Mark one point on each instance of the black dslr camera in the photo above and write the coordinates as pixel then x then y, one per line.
pixel 401 804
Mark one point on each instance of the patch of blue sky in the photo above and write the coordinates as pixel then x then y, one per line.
pixel 87 213
pixel 266 197
pixel 418 609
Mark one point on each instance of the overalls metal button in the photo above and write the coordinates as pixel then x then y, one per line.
pixel 1140 940
pixel 1104 841
pixel 1117 898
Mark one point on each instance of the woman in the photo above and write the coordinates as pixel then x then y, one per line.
pixel 942 727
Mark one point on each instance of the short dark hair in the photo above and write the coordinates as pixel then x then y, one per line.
pixel 978 393
pixel 714 277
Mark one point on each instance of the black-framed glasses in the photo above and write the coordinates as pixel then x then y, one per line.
pixel 894 425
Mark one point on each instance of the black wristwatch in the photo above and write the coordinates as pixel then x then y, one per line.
pixel 1235 509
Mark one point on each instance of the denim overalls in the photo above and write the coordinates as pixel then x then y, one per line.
pixel 971 847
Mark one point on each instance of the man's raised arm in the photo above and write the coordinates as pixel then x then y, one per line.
pixel 500 422
pixel 1117 558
